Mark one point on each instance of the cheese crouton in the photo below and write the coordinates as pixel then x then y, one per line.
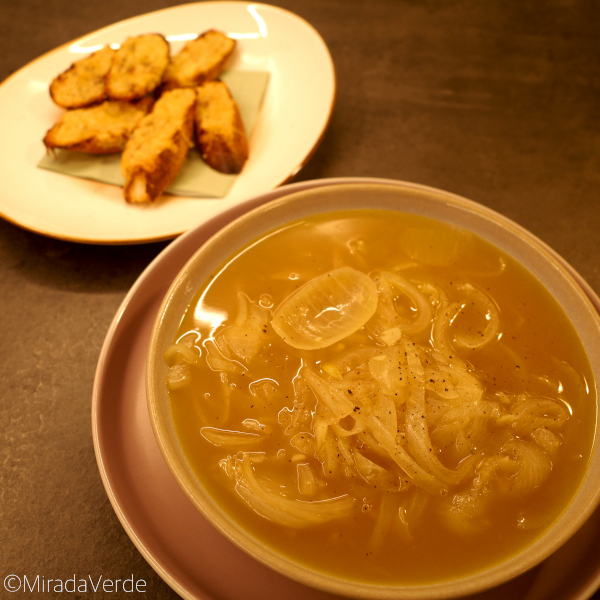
pixel 220 132
pixel 158 147
pixel 199 60
pixel 100 129
pixel 82 83
pixel 138 67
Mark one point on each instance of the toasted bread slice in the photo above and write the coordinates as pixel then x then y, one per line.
pixel 157 149
pixel 82 83
pixel 100 129
pixel 220 133
pixel 199 60
pixel 138 67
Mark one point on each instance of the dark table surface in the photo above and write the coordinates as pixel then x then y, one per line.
pixel 495 101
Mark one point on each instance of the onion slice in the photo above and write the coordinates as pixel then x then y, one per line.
pixel 417 432
pixel 491 314
pixel 398 454
pixel 535 466
pixel 389 285
pixel 288 511
pixel 326 309
pixel 222 437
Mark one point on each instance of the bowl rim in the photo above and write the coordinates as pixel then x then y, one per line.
pixel 501 231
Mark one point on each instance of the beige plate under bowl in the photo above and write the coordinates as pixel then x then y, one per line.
pixel 494 228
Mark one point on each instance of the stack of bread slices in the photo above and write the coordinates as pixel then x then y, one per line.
pixel 152 107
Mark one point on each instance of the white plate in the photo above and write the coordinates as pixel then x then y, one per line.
pixel 182 547
pixel 295 112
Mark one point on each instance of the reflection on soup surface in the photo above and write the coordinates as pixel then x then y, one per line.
pixel 382 397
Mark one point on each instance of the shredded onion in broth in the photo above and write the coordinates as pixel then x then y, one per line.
pixel 384 397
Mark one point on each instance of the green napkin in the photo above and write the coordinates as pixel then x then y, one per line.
pixel 196 178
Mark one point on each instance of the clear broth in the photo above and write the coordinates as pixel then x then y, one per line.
pixel 538 350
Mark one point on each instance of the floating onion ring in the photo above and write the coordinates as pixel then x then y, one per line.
pixel 179 357
pixel 287 511
pixel 389 284
pixel 181 352
pixel 222 437
pixel 326 309
pixel 535 466
pixel 535 412
pixel 439 333
pixel 487 307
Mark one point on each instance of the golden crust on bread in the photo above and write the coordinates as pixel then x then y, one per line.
pixel 199 60
pixel 138 67
pixel 158 147
pixel 100 129
pixel 220 132
pixel 83 83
